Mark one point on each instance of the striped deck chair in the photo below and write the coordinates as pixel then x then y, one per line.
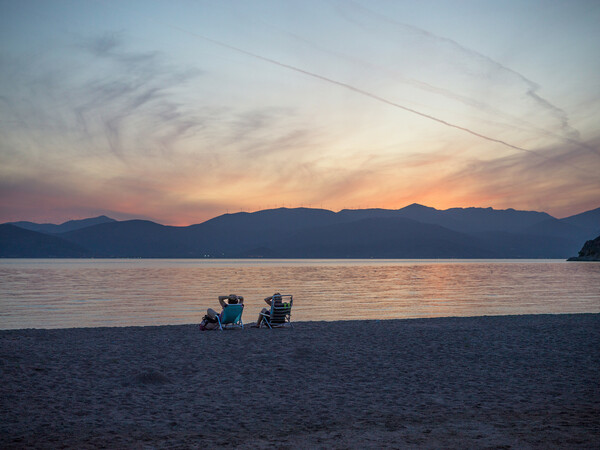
pixel 231 317
pixel 280 313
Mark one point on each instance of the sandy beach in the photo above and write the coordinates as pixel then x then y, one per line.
pixel 484 382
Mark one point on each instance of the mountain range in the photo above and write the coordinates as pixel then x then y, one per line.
pixel 415 231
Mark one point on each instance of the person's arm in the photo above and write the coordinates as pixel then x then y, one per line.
pixel 268 300
pixel 240 299
pixel 222 299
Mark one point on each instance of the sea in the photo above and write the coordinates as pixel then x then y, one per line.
pixel 67 293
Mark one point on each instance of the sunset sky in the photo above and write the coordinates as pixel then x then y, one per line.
pixel 178 111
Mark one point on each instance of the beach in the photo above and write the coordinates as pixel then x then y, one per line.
pixel 528 381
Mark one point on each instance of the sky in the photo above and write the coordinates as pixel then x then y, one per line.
pixel 179 111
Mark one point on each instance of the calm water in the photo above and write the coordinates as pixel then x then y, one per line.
pixel 86 293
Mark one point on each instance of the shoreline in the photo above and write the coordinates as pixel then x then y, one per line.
pixel 525 381
pixel 248 324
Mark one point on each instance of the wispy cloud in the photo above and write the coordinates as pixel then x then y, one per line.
pixel 507 180
pixel 380 114
pixel 121 100
pixel 485 67
pixel 464 58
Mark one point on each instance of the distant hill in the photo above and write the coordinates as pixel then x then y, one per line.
pixel 589 221
pixel 71 225
pixel 589 252
pixel 413 232
pixel 377 238
pixel 131 238
pixel 473 219
pixel 17 242
pixel 234 234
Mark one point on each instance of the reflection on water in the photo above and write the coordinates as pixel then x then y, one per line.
pixel 83 293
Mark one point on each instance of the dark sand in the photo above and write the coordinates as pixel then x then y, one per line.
pixel 486 382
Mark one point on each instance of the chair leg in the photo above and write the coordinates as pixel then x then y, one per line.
pixel 264 320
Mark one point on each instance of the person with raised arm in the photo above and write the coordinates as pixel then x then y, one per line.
pixel 275 298
pixel 210 322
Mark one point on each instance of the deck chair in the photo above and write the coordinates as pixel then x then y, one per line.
pixel 231 317
pixel 280 313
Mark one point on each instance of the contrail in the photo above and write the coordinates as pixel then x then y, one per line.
pixel 446 92
pixel 349 87
pixel 355 89
pixel 531 87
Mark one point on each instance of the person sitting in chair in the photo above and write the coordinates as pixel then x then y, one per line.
pixel 210 321
pixel 275 298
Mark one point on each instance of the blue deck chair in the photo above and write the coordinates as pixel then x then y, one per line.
pixel 231 317
pixel 280 313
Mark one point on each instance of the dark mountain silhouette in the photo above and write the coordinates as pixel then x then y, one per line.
pixel 131 238
pixel 589 252
pixel 475 219
pixel 71 225
pixel 488 219
pixel 457 219
pixel 233 234
pixel 521 245
pixel 274 219
pixel 17 242
pixel 413 232
pixel 377 238
pixel 589 221
pixel 554 227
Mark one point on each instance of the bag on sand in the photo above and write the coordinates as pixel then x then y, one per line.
pixel 208 323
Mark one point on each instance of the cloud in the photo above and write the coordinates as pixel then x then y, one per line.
pixel 127 129
pixel 519 179
pixel 107 97
pixel 361 92
pixel 462 57
pixel 475 64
